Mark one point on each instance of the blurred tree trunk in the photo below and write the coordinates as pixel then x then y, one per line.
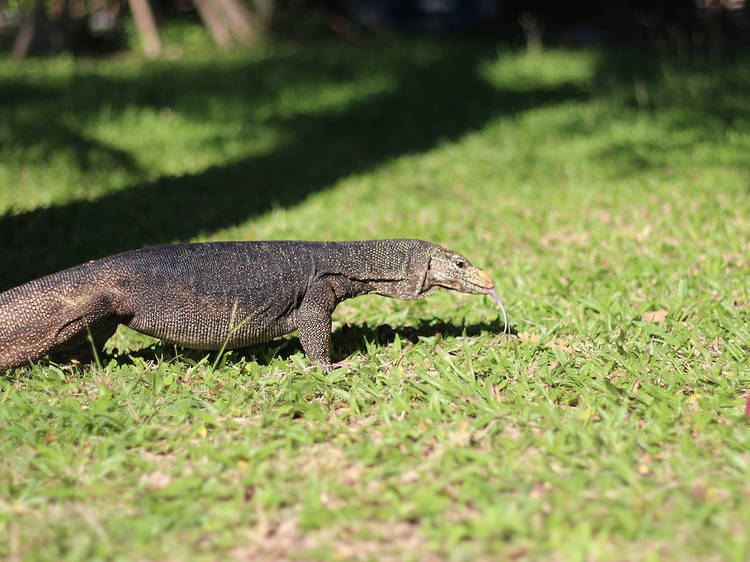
pixel 264 9
pixel 532 31
pixel 29 30
pixel 226 20
pixel 214 22
pixel 232 19
pixel 144 21
pixel 239 19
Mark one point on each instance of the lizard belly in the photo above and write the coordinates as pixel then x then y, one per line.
pixel 210 322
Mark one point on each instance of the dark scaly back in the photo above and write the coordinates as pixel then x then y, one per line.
pixel 203 295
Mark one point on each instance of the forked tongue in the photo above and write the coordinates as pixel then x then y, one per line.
pixel 505 316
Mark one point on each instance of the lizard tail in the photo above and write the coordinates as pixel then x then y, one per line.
pixel 54 315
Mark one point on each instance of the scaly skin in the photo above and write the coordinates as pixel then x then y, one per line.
pixel 208 294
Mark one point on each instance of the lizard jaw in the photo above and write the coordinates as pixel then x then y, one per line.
pixel 477 282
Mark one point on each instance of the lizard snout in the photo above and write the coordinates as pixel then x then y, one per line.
pixel 485 281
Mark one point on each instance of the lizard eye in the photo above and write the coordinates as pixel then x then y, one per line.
pixel 459 264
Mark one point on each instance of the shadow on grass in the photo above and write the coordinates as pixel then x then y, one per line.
pixel 435 95
pixel 345 341
pixel 435 92
pixel 688 100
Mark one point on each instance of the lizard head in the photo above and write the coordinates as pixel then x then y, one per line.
pixel 450 270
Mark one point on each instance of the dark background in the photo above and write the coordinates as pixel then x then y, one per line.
pixel 710 27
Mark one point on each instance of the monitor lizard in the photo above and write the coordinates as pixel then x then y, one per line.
pixel 215 295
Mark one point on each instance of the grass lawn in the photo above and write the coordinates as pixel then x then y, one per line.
pixel 608 195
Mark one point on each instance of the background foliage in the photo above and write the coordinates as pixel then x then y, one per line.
pixel 606 192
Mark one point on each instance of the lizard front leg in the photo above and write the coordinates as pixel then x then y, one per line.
pixel 314 323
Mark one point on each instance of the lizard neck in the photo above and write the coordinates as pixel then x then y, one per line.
pixel 392 268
